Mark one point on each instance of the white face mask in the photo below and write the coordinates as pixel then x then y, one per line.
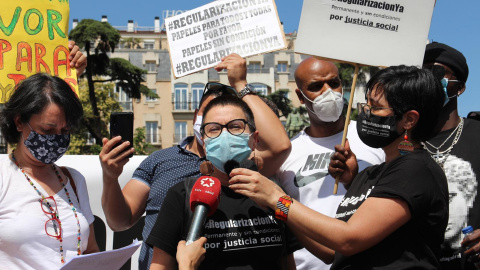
pixel 328 106
pixel 196 129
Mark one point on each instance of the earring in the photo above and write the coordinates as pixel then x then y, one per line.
pixel 405 146
pixel 206 168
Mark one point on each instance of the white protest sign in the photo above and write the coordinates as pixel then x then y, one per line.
pixel 376 33
pixel 199 38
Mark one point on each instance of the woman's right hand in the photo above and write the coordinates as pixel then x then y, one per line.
pixel 343 164
pixel 189 257
pixel 113 159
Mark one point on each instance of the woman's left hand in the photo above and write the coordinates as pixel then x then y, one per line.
pixel 257 187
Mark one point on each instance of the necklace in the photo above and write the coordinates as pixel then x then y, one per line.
pixel 441 156
pixel 79 251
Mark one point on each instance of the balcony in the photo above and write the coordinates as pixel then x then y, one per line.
pixel 153 138
pixel 184 106
pixel 258 70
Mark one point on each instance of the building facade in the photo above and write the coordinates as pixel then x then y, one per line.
pixel 169 118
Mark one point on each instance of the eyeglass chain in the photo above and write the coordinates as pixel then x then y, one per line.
pixel 79 252
pixel 441 156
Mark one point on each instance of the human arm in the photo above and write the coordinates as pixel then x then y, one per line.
pixel 123 208
pixel 373 221
pixel 274 145
pixel 77 59
pixel 343 164
pixel 161 260
pixel 189 257
pixel 92 246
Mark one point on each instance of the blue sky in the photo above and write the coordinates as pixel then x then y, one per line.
pixel 455 23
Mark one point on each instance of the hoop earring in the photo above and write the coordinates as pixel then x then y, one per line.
pixel 206 168
pixel 405 146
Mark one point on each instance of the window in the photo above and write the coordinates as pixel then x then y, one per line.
pixel 151 132
pixel 260 88
pixel 124 100
pixel 151 66
pixel 282 67
pixel 254 67
pixel 152 98
pixel 197 93
pixel 149 45
pixel 180 99
pixel 180 131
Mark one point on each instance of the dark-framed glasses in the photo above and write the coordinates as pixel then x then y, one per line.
pixel 53 226
pixel 234 127
pixel 220 88
pixel 368 110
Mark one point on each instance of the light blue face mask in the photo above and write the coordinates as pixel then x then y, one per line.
pixel 227 147
pixel 444 82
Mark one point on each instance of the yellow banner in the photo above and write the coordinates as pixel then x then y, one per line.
pixel 33 38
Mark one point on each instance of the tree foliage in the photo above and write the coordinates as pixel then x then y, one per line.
pixel 98 39
pixel 280 99
pixel 108 103
pixel 142 147
pixel 131 42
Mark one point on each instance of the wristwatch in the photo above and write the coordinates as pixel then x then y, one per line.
pixel 248 90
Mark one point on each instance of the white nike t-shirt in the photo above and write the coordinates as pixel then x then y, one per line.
pixel 304 176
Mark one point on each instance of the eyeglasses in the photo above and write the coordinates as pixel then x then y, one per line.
pixel 53 226
pixel 220 88
pixel 368 109
pixel 234 127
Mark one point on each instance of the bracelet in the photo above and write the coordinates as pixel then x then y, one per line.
pixel 283 205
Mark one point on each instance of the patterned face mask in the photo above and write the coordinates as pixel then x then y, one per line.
pixel 47 148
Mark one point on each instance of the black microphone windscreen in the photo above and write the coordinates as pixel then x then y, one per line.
pixel 249 164
pixel 230 165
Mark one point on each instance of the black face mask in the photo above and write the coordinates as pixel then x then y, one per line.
pixel 377 131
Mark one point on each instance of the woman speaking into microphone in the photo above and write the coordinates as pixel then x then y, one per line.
pixel 239 233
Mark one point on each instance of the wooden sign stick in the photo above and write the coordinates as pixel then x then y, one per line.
pixel 347 117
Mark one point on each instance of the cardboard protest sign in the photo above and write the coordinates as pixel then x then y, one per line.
pixel 33 38
pixel 199 38
pixel 376 33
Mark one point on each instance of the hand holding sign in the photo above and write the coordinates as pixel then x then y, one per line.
pixel 236 67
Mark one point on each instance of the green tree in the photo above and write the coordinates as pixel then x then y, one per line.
pixel 100 38
pixel 142 147
pixel 283 103
pixel 107 103
pixel 131 42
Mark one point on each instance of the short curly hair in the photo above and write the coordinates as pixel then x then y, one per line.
pixel 32 96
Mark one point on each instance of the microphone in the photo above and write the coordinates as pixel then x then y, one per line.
pixel 204 200
pixel 233 164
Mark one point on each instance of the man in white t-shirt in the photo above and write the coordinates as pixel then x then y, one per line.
pixel 304 175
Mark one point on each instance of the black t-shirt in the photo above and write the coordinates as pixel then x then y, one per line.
pixel 461 168
pixel 240 235
pixel 416 179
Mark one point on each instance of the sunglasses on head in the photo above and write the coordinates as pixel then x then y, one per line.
pixel 220 88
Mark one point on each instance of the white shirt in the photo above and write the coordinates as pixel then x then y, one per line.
pixel 24 243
